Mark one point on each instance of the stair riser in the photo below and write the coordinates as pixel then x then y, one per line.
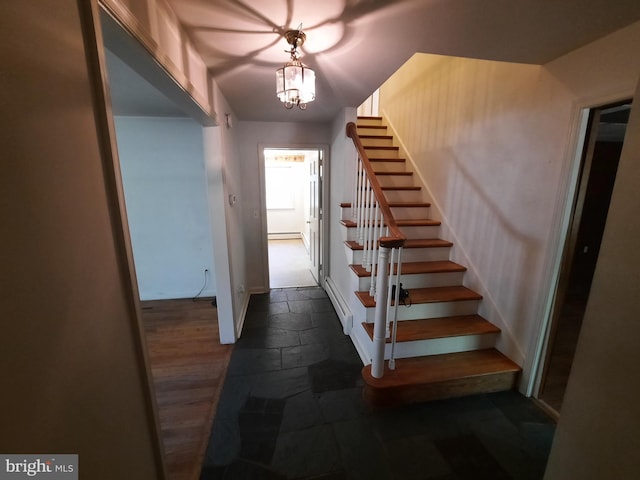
pixel 371 131
pixel 382 166
pixel 439 346
pixel 368 121
pixel 431 310
pixel 411 213
pixel 396 180
pixel 496 382
pixel 408 254
pixel 377 142
pixel 408 213
pixel 409 232
pixel 381 153
pixel 422 280
pixel 403 195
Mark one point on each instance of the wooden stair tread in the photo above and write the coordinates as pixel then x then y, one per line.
pixel 395 174
pixel 418 222
pixel 387 159
pixel 409 222
pixel 369 117
pixel 409 243
pixel 412 187
pixel 426 243
pixel 385 137
pixel 416 268
pixel 379 127
pixel 409 204
pixel 380 147
pixel 443 327
pixel 429 295
pixel 441 368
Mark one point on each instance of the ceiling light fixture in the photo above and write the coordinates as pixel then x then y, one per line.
pixel 295 82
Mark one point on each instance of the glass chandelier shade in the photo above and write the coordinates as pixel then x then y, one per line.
pixel 295 82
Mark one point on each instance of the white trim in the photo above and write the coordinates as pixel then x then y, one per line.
pixel 362 343
pixel 534 364
pixel 243 315
pixel 323 151
pixel 340 305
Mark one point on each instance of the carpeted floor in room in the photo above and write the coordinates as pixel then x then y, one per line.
pixel 292 408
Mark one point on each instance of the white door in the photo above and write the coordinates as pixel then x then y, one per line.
pixel 315 214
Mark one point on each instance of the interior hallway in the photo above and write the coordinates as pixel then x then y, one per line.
pixel 289 264
pixel 292 408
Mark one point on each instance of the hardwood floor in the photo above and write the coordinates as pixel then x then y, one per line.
pixel 188 366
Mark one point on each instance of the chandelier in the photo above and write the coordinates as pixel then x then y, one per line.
pixel 295 82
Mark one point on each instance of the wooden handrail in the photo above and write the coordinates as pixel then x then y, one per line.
pixel 396 239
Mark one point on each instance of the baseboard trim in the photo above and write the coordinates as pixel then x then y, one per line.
pixel 358 338
pixel 285 236
pixel 243 314
pixel 340 305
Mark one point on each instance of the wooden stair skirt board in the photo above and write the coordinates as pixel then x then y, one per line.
pixel 438 377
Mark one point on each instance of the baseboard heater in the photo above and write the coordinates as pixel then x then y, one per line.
pixel 341 307
pixel 284 235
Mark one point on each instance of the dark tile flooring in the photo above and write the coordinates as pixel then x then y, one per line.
pixel 292 408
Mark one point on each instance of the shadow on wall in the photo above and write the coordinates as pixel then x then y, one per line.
pixel 504 256
pixel 473 129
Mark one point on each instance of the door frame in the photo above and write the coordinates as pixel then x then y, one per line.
pixel 323 150
pixel 535 367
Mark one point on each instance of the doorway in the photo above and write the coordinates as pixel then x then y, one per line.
pixel 600 155
pixel 293 202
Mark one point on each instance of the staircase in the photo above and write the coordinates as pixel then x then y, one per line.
pixel 443 347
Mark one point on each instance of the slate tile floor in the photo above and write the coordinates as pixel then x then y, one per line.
pixel 292 408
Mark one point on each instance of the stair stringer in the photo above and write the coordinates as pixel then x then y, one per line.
pixel 506 341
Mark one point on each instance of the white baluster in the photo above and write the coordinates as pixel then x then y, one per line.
pixel 376 236
pixel 392 303
pixel 394 334
pixel 356 190
pixel 361 206
pixel 369 228
pixel 379 338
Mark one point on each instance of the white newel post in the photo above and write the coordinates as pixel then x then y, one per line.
pixel 380 322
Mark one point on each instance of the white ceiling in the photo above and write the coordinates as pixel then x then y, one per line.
pixel 355 45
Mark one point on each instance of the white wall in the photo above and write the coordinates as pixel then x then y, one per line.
pixel 495 142
pixel 165 189
pixel 223 178
pixel 341 180
pixel 250 191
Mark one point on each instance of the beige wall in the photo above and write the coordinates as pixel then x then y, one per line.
pixel 495 144
pixel 72 371
pixel 597 436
